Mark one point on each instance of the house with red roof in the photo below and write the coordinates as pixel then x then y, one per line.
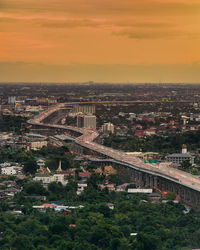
pixel 139 133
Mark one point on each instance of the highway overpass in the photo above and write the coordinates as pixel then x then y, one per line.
pixel 164 179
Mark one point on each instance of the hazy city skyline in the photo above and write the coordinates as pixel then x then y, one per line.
pixel 102 41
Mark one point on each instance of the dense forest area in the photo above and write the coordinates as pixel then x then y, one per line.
pixel 134 223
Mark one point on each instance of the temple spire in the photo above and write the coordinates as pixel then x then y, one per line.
pixel 59 167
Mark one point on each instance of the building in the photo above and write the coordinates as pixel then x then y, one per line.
pixel 11 100
pixel 19 105
pixel 5 135
pixel 85 109
pixel 84 176
pixel 149 132
pixel 35 145
pixel 42 100
pixel 108 128
pixel 180 157
pixel 31 101
pixel 109 170
pixel 58 178
pixel 86 121
pixel 137 190
pixel 80 121
pixel 81 187
pixel 52 100
pixel 45 179
pixel 35 141
pixel 40 162
pixel 109 186
pixel 11 170
pixel 33 109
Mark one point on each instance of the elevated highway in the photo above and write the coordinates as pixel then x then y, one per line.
pixel 163 178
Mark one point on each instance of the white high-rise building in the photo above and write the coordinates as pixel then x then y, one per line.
pixel 85 109
pixel 86 121
pixel 108 127
pixel 11 100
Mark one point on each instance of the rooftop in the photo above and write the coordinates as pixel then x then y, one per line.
pixel 180 155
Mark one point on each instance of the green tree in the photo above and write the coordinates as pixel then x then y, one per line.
pixel 34 188
pixel 30 167
pixel 186 165
pixel 170 196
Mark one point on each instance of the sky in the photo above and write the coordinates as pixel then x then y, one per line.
pixel 100 40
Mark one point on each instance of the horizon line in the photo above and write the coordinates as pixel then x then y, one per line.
pixel 93 82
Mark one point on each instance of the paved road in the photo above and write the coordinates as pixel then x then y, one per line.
pixel 86 139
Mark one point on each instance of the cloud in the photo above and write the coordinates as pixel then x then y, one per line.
pixel 95 13
pixel 98 31
pixel 144 24
pixel 63 22
pixel 52 21
pixel 149 34
pixel 2 4
pixel 73 23
pixel 111 14
pixel 106 7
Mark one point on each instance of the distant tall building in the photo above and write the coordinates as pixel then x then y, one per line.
pixel 80 121
pixel 86 121
pixel 31 101
pixel 85 109
pixel 42 100
pixel 108 127
pixel 11 100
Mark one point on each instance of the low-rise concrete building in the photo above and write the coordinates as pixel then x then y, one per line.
pixel 181 157
pixel 108 128
pixel 45 179
pixel 9 169
pixel 35 145
pixel 81 187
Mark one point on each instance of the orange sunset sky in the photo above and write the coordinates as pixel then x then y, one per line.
pixel 100 40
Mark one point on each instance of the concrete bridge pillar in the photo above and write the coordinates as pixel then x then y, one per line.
pixel 163 188
pixel 182 193
pixel 198 199
pixel 136 177
pixel 171 187
pixel 151 181
pixel 160 183
pixel 155 181
pixel 194 198
pixel 165 185
pixel 147 181
pixel 187 195
pixel 140 179
pixel 80 150
pixel 133 175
